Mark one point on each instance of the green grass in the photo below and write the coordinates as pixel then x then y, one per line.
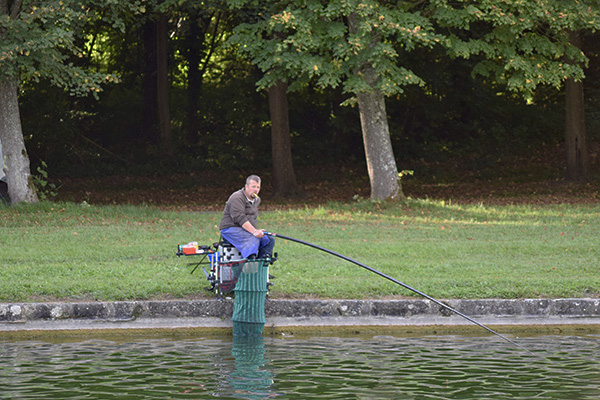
pixel 53 251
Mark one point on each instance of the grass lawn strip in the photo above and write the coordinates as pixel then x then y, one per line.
pixel 68 251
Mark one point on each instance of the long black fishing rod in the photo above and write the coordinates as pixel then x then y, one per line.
pixel 397 282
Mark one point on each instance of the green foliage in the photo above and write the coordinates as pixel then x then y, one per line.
pixel 524 44
pixel 462 120
pixel 451 116
pixel 521 44
pixel 40 40
pixel 314 41
pixel 44 189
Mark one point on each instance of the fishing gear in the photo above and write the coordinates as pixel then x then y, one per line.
pixel 224 262
pixel 397 282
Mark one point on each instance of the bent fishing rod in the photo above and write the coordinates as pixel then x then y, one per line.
pixel 397 282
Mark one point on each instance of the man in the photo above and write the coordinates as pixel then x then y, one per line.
pixel 239 222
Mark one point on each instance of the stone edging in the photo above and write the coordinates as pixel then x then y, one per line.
pixel 287 313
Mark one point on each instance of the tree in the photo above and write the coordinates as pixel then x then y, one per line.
pixel 357 43
pixel 284 178
pixel 40 40
pixel 18 175
pixel 162 73
pixel 526 45
pixel 202 28
pixel 578 163
pixel 149 117
pixel 351 44
pixel 381 163
pixel 188 34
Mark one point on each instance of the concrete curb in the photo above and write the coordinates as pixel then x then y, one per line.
pixel 178 314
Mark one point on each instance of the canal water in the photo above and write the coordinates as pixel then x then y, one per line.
pixel 320 367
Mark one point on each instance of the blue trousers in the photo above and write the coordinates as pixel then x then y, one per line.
pixel 247 243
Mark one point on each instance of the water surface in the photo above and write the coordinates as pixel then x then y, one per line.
pixel 376 367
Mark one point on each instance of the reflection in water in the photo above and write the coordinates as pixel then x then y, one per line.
pixel 250 379
pixel 250 367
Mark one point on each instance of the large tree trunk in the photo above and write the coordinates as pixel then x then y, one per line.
pixel 164 111
pixel 18 174
pixel 284 178
pixel 381 164
pixel 575 131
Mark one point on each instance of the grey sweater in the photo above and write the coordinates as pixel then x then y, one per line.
pixel 238 210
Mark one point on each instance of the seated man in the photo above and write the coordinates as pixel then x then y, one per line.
pixel 239 222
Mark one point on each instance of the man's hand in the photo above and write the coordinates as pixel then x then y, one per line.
pixel 258 233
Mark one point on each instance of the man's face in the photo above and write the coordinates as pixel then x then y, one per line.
pixel 252 189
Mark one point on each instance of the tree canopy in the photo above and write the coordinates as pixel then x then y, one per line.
pixel 361 45
pixel 43 39
pixel 523 44
pixel 432 59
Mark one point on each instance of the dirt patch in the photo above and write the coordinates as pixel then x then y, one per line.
pixel 208 191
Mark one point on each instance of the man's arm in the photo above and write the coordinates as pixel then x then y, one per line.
pixel 256 232
pixel 238 214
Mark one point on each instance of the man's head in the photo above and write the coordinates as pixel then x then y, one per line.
pixel 252 186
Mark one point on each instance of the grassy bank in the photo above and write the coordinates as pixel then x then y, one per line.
pixel 70 251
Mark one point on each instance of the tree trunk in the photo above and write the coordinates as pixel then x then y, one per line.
pixel 575 131
pixel 164 111
pixel 194 50
pixel 284 178
pixel 18 174
pixel 148 134
pixel 381 164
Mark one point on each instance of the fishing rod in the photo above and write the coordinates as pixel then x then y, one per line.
pixel 397 282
